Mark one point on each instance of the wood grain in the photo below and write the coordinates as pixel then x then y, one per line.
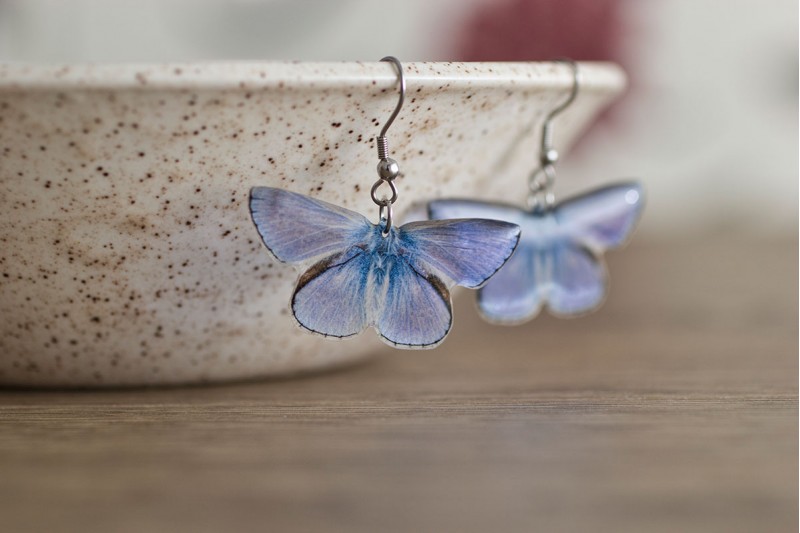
pixel 672 409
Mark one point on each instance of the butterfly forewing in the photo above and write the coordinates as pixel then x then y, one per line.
pixel 460 252
pixel 603 218
pixel 297 228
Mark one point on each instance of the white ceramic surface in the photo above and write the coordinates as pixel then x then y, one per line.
pixel 128 254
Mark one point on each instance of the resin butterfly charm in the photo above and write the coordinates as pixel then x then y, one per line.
pixel 559 259
pixel 358 277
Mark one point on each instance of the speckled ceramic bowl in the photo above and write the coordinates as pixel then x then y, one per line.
pixel 128 254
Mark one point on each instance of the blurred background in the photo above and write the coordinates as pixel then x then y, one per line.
pixel 709 122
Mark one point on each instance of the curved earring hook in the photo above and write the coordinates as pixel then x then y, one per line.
pixel 402 81
pixel 547 127
pixel 542 179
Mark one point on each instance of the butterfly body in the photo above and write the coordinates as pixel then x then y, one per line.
pixel 357 277
pixel 558 263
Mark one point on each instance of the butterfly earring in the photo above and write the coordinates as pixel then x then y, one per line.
pixel 358 274
pixel 559 262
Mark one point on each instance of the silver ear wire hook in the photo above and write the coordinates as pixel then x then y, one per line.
pixel 383 144
pixel 388 169
pixel 543 178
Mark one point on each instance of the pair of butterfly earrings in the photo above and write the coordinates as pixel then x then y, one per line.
pixel 397 279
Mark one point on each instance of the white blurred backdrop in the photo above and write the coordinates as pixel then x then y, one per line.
pixel 710 123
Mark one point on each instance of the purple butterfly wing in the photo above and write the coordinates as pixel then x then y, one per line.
pixel 330 297
pixel 603 218
pixel 415 311
pixel 459 252
pixel 577 283
pixel 513 295
pixel 299 229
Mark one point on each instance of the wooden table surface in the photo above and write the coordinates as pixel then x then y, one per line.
pixel 672 409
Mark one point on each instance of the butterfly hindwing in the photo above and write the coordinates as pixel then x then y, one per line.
pixel 578 280
pixel 513 295
pixel 331 296
pixel 297 228
pixel 415 309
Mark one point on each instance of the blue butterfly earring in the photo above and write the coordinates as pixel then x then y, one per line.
pixel 358 274
pixel 559 261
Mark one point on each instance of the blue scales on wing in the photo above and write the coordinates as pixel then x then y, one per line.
pixel 559 259
pixel 398 283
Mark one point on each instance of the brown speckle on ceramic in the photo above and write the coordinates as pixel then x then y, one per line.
pixel 128 254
